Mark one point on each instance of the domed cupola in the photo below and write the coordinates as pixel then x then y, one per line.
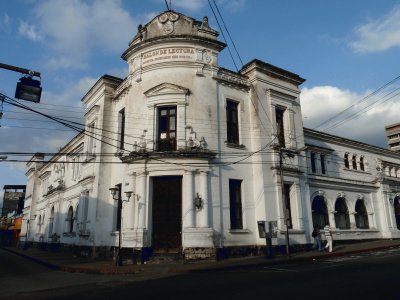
pixel 174 29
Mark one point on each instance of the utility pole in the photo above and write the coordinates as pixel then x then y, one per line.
pixel 285 211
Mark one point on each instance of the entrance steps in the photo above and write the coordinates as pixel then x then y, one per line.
pixel 166 258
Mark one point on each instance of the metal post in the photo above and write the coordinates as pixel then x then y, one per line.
pixel 283 201
pixel 118 261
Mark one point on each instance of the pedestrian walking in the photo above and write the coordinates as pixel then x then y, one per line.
pixel 328 236
pixel 317 239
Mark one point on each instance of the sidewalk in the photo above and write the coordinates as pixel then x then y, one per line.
pixel 69 263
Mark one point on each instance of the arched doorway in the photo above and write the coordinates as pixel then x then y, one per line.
pixel 319 212
pixel 361 215
pixel 342 218
pixel 396 205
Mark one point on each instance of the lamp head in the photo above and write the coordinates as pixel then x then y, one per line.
pixel 113 191
pixel 128 194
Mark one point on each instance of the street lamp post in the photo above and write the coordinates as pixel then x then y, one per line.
pixel 116 194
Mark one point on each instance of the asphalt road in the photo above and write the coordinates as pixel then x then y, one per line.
pixel 366 276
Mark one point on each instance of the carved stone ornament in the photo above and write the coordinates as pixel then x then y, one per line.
pixel 207 58
pixel 168 20
pixel 341 195
pixel 168 28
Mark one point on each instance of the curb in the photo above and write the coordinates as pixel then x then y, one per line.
pixel 199 268
pixel 34 259
pixel 283 260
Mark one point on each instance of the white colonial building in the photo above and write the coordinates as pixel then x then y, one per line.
pixel 202 154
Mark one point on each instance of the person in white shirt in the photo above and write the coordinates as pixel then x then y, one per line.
pixel 328 236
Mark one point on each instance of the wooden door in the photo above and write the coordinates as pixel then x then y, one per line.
pixel 167 214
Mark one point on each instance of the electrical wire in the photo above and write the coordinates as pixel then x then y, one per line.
pixel 226 28
pixel 223 36
pixel 340 114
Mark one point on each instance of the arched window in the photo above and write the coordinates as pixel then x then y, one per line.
pixel 361 215
pixel 396 205
pixel 51 221
pixel 70 220
pixel 319 212
pixel 362 167
pixel 354 162
pixel 346 160
pixel 342 218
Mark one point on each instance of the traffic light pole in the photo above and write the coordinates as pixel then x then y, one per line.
pixel 19 70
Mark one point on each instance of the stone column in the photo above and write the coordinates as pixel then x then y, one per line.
pixel 188 208
pixel 203 215
pixel 332 222
pixel 180 124
pixel 299 206
pixel 352 217
pixel 291 132
pixel 318 169
pixel 130 207
pixel 142 199
pixel 390 210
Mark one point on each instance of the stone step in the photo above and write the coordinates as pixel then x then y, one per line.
pixel 166 258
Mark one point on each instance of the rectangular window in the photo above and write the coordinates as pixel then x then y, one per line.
pixel 121 125
pixel 235 201
pixel 232 122
pixel 167 128
pixel 312 158
pixel 279 114
pixel 288 211
pixel 323 169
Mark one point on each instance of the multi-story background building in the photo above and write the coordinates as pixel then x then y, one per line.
pixel 13 199
pixel 393 136
pixel 202 154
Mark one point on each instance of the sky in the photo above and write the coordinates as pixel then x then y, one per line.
pixel 348 52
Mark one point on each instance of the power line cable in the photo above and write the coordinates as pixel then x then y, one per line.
pixel 358 102
pixel 223 35
pixel 363 110
pixel 226 28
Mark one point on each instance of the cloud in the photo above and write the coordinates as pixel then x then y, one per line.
pixel 322 102
pixel 378 35
pixel 5 22
pixel 74 29
pixel 29 31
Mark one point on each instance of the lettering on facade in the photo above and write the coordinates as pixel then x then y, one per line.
pixel 168 54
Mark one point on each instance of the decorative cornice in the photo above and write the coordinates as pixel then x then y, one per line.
pixel 232 79
pixel 311 133
pixel 167 89
pixel 122 89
